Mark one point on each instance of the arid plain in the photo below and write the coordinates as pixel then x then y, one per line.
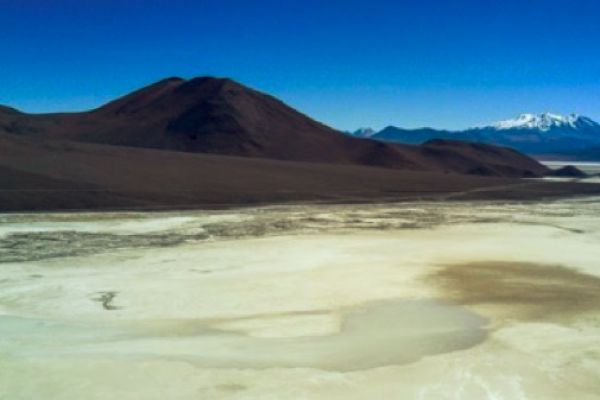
pixel 412 300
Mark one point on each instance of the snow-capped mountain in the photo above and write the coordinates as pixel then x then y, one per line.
pixel 530 133
pixel 363 132
pixel 544 122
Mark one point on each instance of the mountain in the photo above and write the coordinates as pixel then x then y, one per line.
pixel 530 133
pixel 7 111
pixel 545 122
pixel 363 132
pixel 201 115
pixel 221 116
pixel 568 171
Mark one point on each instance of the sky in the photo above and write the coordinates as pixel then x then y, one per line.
pixel 349 63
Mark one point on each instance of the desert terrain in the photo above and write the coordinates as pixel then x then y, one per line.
pixel 236 200
pixel 412 300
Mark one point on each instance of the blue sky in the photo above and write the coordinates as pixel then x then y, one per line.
pixel 441 63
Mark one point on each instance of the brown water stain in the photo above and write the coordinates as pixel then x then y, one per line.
pixel 524 290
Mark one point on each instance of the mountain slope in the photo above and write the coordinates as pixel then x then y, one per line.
pixel 205 115
pixel 220 116
pixel 39 174
pixel 534 134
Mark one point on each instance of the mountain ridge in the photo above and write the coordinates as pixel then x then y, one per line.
pixel 530 133
pixel 220 116
pixel 543 122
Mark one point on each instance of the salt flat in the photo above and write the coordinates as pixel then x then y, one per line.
pixel 446 300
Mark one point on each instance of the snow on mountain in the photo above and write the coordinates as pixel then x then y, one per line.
pixel 364 132
pixel 530 133
pixel 543 122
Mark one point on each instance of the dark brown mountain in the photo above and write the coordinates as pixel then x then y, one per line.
pixel 568 171
pixel 220 116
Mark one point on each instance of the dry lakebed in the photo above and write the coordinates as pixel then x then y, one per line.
pixel 412 300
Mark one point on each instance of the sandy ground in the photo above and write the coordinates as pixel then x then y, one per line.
pixel 451 300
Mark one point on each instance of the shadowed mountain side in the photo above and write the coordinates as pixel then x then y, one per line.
pixel 220 116
pixel 55 175
pixel 568 171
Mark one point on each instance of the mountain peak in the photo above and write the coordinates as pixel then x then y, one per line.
pixel 364 132
pixel 164 93
pixel 543 122
pixel 207 82
pixel 173 79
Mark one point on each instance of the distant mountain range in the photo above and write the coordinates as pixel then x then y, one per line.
pixel 530 133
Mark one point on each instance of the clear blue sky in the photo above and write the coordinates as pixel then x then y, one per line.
pixel 349 63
